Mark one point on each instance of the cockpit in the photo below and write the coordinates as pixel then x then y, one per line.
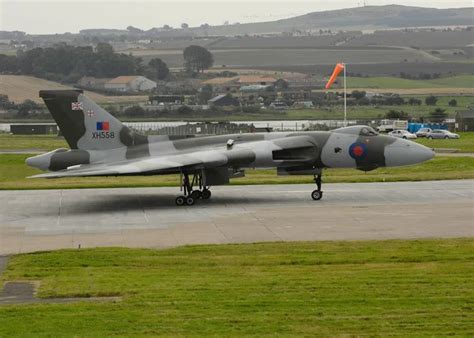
pixel 357 130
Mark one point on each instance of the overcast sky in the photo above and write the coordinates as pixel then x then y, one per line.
pixel 59 16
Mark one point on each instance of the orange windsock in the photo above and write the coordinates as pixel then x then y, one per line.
pixel 337 70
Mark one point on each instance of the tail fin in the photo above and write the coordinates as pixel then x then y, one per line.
pixel 83 123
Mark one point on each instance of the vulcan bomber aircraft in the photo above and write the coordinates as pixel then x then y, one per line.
pixel 100 145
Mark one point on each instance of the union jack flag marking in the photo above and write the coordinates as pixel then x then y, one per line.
pixel 90 113
pixel 76 105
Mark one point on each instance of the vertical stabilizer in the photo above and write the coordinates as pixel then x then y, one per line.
pixel 84 124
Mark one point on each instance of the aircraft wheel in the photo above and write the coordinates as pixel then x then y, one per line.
pixel 316 195
pixel 180 200
pixel 206 194
pixel 189 200
pixel 196 194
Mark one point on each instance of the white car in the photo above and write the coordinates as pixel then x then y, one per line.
pixel 402 134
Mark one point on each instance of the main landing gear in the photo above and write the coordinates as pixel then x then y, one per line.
pixel 317 194
pixel 190 196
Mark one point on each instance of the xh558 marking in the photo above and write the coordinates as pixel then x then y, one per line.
pixel 100 145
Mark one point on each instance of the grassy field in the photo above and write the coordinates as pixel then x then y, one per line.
pixel 13 173
pixel 20 88
pixel 465 81
pixel 401 288
pixel 366 112
pixel 256 57
pixel 39 142
pixel 464 144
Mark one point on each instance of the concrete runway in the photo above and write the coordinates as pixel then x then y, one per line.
pixel 51 219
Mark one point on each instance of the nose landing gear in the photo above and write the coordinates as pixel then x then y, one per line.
pixel 190 196
pixel 317 194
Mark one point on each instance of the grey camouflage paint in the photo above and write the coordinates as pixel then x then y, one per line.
pixel 117 150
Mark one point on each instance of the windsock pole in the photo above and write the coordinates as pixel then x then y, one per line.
pixel 337 70
pixel 345 97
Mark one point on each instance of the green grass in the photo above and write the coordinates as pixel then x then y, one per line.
pixel 40 142
pixel 463 81
pixel 402 288
pixel 13 173
pixel 463 145
pixel 363 112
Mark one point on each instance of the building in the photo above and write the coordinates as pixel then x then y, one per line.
pixel 465 120
pixel 223 101
pixel 278 105
pixel 135 83
pixel 244 82
pixel 92 82
pixel 33 129
pixel 166 99
pixel 303 104
pixel 254 88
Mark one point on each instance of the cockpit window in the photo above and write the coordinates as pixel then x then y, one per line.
pixel 368 131
pixel 357 130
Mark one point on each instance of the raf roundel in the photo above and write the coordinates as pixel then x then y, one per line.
pixel 358 151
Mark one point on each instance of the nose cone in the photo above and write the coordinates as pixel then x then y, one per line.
pixel 403 152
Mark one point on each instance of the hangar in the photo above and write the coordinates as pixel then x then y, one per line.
pixel 465 120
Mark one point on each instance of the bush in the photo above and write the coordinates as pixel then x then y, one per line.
pixel 5 102
pixel 431 100
pixel 358 94
pixel 394 114
pixel 414 102
pixel 251 109
pixel 27 107
pixel 363 101
pixel 134 111
pixel 184 110
pixel 438 115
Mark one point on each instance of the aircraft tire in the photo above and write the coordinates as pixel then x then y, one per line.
pixel 206 194
pixel 316 195
pixel 180 200
pixel 189 200
pixel 196 194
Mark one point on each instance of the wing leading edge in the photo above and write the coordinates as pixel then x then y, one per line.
pixel 156 165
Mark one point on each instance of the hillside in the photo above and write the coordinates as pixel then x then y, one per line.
pixel 20 88
pixel 360 18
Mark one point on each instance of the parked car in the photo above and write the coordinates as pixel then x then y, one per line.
pixel 279 105
pixel 402 134
pixel 423 132
pixel 438 133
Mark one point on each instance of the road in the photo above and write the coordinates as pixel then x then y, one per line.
pixel 147 217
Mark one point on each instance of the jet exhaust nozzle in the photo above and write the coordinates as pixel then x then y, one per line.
pixel 43 161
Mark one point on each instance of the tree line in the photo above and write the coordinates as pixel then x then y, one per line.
pixel 67 64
